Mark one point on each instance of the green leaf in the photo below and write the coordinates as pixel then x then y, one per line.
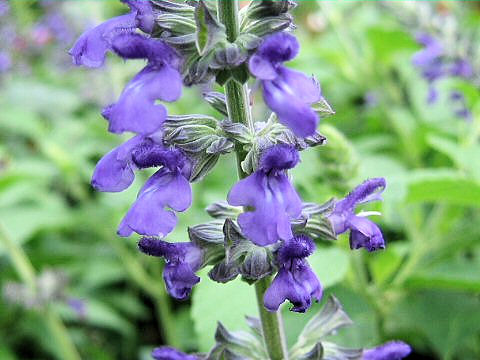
pixel 209 31
pixel 330 264
pixel 228 303
pixel 449 275
pixel 452 190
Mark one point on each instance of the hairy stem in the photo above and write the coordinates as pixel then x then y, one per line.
pixel 238 108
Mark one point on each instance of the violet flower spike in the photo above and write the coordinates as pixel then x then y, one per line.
pixel 393 350
pixel 167 188
pixel 295 280
pixel 288 93
pixel 363 232
pixel 116 170
pixel 182 261
pixel 136 109
pixel 270 196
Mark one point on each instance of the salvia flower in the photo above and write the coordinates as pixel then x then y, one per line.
pixel 115 171
pixel 91 47
pixel 269 196
pixel 295 280
pixel 394 350
pixel 182 261
pixel 434 63
pixel 167 188
pixel 363 232
pixel 136 109
pixel 288 93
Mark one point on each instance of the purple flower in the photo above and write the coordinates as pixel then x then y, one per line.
pixel 168 187
pixel 394 350
pixel 269 196
pixel 92 45
pixel 115 171
pixel 182 261
pixel 4 7
pixel 295 280
pixel 288 93
pixel 136 109
pixel 363 232
pixel 144 14
pixel 431 52
pixel 78 306
pixel 5 62
pixel 169 353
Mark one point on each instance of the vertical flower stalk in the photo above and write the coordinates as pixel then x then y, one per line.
pixel 238 109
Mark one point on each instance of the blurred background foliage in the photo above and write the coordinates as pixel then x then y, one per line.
pixel 72 289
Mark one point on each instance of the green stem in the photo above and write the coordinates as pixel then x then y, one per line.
pixel 238 108
pixel 20 261
pixel 272 325
pixel 65 347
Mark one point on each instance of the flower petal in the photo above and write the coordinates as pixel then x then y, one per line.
pixel 136 110
pixel 115 172
pixel 91 47
pixel 365 233
pixel 148 216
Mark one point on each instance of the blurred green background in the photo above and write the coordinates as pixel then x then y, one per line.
pixel 98 298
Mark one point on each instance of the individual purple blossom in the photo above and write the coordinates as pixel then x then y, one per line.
pixel 182 261
pixel 295 280
pixel 288 93
pixel 167 189
pixel 363 232
pixel 136 110
pixel 115 171
pixel 393 350
pixel 91 47
pixel 270 198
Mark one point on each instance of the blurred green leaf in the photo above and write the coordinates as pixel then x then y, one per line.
pixel 229 303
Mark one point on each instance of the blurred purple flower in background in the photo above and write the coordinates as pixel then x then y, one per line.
pixel 435 64
pixel 393 350
pixel 169 353
pixel 5 61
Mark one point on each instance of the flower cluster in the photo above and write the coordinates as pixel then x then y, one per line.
pixel 136 111
pixel 264 229
pixel 435 64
